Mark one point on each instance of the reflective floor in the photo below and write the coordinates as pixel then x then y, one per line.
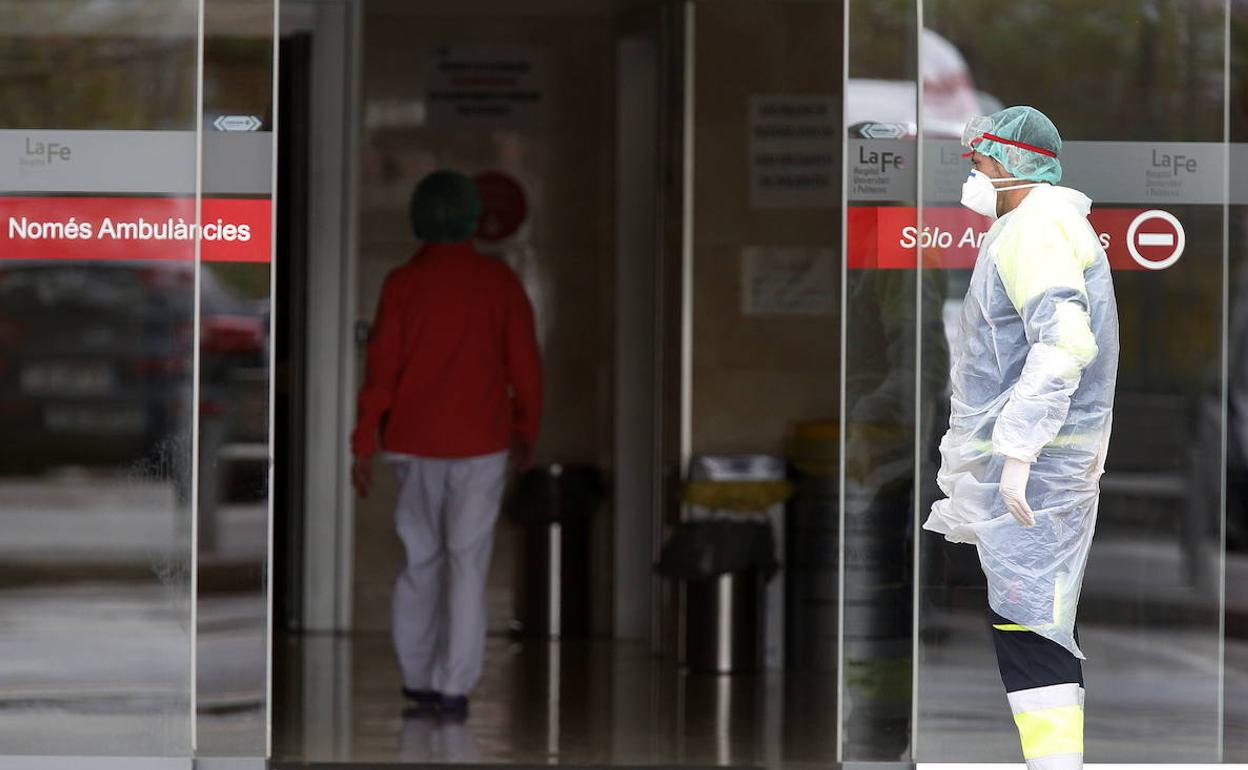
pixel 601 703
pixel 575 702
pixel 96 654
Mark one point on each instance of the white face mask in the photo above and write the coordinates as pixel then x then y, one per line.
pixel 979 194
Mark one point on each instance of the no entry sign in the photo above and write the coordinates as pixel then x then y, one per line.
pixel 504 207
pixel 889 237
pixel 1156 239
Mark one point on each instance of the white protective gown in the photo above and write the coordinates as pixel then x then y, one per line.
pixel 1033 374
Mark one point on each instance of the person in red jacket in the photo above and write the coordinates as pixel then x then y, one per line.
pixel 453 389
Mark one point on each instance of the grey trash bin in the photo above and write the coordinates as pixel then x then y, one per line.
pixel 724 628
pixel 812 559
pixel 734 621
pixel 723 566
pixel 554 508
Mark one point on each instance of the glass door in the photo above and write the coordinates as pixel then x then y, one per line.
pixel 1146 97
pixel 233 621
pixel 135 184
pixel 97 358
pixel 1141 118
pixel 879 417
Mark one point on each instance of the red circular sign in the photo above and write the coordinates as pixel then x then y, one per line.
pixel 504 207
pixel 1156 239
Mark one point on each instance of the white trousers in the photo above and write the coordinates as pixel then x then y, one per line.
pixel 445 517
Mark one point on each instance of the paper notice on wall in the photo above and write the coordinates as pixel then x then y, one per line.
pixel 793 152
pixel 483 86
pixel 787 281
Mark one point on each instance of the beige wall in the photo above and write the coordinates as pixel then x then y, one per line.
pixel 753 377
pixel 564 254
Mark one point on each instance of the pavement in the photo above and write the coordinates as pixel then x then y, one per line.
pixel 95 645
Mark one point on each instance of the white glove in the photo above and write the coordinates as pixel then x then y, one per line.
pixel 1014 490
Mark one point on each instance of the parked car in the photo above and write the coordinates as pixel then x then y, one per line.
pixel 96 358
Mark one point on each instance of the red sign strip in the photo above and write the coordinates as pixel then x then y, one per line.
pixel 888 237
pixel 135 229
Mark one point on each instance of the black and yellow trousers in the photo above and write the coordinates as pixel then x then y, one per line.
pixel 1044 684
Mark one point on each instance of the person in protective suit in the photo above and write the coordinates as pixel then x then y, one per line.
pixel 1033 374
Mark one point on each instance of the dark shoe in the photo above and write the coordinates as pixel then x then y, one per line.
pixel 426 698
pixel 453 706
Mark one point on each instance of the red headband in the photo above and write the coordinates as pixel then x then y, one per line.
pixel 1011 142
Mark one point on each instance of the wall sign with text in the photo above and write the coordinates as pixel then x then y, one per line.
pixel 139 229
pixel 889 237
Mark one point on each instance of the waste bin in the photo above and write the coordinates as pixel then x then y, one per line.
pixel 554 509
pixel 812 557
pixel 724 628
pixel 724 565
pixel 753 487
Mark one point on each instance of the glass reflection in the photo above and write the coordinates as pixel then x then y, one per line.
pixel 235 349
pixel 1235 671
pixel 96 341
pixel 1149 616
pixel 877 531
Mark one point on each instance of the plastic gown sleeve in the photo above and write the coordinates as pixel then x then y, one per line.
pixel 1041 266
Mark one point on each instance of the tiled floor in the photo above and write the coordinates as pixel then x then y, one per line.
pixel 103 665
pixel 577 702
pixel 596 703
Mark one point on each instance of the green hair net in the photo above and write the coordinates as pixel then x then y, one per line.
pixel 1029 126
pixel 445 207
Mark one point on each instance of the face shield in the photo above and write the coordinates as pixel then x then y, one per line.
pixel 973 133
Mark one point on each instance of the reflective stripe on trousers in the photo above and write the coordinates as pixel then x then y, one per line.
pixel 1050 726
pixel 1044 683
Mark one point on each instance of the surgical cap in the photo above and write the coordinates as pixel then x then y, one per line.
pixel 1026 125
pixel 445 208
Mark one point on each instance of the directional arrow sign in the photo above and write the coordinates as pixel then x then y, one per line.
pixel 237 123
pixel 883 131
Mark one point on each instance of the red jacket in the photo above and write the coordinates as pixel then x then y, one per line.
pixel 453 365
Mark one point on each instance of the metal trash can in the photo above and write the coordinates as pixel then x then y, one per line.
pixel 812 556
pixel 723 565
pixel 752 488
pixel 554 508
pixel 725 631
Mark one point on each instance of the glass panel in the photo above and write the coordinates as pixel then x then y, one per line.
pixel 766 130
pixel 879 376
pixel 97 257
pixel 234 442
pixel 1141 117
pixel 1236 641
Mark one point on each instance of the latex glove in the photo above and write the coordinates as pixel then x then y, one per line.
pixel 1014 490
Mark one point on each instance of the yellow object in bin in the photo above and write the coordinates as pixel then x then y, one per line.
pixel 815 446
pixel 738 496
